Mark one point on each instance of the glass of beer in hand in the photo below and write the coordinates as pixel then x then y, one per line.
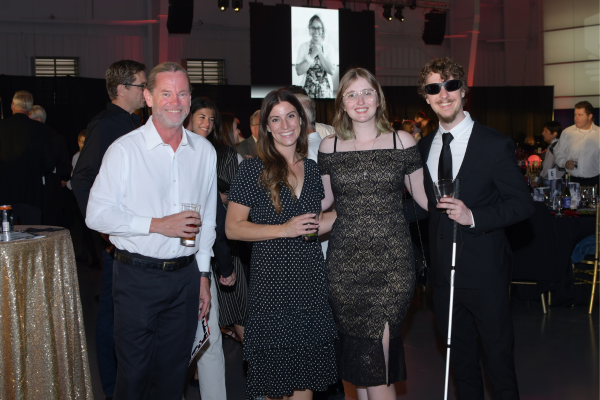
pixel 189 241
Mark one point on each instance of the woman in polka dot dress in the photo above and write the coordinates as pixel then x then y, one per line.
pixel 290 333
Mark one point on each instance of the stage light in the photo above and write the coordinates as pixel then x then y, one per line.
pixel 413 5
pixel 237 5
pixel 223 4
pixel 398 13
pixel 387 12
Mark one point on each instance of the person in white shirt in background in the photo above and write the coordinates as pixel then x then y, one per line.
pixel 159 286
pixel 551 134
pixel 578 150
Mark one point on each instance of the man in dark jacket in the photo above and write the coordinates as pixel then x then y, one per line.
pixel 55 180
pixel 493 195
pixel 125 82
pixel 25 157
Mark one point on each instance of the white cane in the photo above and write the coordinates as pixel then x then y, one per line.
pixel 448 343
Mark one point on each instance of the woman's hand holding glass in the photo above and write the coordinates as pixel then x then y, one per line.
pixel 300 225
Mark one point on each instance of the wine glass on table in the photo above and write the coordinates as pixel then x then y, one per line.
pixel 558 202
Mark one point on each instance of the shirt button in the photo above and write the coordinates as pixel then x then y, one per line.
pixel 173 251
pixel 174 180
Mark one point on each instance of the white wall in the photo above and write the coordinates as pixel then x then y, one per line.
pixel 509 49
pixel 572 51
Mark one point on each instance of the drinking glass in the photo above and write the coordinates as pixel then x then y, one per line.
pixel 189 241
pixel 558 201
pixel 311 237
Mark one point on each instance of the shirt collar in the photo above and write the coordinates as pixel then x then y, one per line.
pixel 459 129
pixel 153 138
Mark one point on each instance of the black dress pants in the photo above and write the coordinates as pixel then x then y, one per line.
pixel 156 316
pixel 482 314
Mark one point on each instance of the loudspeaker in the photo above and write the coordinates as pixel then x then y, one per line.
pixel 181 14
pixel 435 28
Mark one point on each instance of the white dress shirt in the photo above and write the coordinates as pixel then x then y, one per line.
pixel 314 141
pixel 582 145
pixel 458 147
pixel 141 178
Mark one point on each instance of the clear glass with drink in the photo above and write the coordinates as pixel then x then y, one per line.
pixel 189 241
pixel 311 237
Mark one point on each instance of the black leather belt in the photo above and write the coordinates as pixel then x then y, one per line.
pixel 171 265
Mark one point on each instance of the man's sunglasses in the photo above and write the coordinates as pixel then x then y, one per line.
pixel 451 86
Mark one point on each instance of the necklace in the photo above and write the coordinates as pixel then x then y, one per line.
pixel 373 145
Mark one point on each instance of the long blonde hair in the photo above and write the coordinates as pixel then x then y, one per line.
pixel 342 123
pixel 276 167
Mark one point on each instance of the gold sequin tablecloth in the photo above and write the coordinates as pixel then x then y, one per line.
pixel 43 351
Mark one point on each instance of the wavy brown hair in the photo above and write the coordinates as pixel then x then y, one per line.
pixel 448 69
pixel 342 123
pixel 276 169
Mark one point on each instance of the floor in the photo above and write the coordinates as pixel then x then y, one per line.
pixel 556 354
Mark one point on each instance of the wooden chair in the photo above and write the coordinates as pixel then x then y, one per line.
pixel 593 272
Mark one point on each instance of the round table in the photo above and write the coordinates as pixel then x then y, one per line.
pixel 43 348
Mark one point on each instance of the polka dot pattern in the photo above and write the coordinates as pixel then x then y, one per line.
pixel 290 333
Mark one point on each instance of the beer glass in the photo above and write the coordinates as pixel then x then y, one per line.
pixel 189 241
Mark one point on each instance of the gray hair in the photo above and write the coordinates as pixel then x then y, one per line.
pixel 167 66
pixel 309 108
pixel 38 112
pixel 254 115
pixel 23 100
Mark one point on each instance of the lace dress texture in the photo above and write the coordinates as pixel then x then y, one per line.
pixel 289 336
pixel 370 263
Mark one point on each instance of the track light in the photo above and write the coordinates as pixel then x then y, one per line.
pixel 223 4
pixel 387 12
pixel 237 5
pixel 398 13
pixel 413 5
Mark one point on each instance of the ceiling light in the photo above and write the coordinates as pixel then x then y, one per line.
pixel 223 4
pixel 398 13
pixel 413 5
pixel 237 5
pixel 387 12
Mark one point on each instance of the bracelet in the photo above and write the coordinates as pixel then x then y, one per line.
pixel 205 275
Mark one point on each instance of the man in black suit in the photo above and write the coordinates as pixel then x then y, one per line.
pixel 25 157
pixel 247 148
pixel 493 195
pixel 55 180
pixel 125 83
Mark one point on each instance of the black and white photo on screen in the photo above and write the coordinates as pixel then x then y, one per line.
pixel 315 51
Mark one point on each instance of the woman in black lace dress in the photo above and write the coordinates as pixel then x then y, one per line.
pixel 289 336
pixel 370 264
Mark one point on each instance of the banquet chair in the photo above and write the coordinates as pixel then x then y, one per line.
pixel 591 260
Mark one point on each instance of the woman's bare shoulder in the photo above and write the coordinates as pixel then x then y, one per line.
pixel 327 144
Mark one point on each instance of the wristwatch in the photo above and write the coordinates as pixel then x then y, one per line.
pixel 205 275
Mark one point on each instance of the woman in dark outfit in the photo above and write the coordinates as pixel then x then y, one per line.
pixel 289 337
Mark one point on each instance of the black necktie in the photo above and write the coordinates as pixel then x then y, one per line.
pixel 445 165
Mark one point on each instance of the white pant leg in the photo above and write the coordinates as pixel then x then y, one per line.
pixel 211 361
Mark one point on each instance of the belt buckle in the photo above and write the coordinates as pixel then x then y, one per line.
pixel 174 263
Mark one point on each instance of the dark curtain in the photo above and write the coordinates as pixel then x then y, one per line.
pixel 71 102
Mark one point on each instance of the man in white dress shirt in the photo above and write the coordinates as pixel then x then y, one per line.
pixel 158 285
pixel 578 150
